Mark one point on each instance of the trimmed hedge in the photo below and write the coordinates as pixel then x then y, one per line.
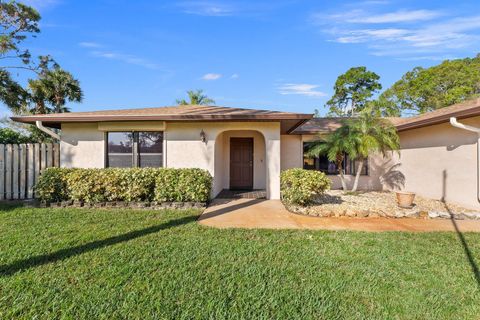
pixel 52 184
pixel 131 185
pixel 300 186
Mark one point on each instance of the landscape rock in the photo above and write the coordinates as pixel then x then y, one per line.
pixel 412 214
pixel 439 214
pixel 363 213
pixel 380 204
pixel 472 215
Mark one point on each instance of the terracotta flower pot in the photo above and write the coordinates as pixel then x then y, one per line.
pixel 405 199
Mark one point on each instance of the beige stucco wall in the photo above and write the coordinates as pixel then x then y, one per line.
pixel 82 146
pixel 437 161
pixel 440 162
pixel 184 148
pixel 291 151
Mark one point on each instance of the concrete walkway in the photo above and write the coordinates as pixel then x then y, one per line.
pixel 271 214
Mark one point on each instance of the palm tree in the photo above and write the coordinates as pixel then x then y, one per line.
pixel 358 138
pixel 55 87
pixel 61 87
pixel 37 97
pixel 371 134
pixel 335 145
pixel 196 97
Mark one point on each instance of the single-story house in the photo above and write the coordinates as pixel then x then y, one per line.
pixel 247 149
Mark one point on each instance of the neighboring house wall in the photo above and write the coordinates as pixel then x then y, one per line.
pixel 440 162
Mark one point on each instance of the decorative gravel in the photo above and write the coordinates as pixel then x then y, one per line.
pixel 336 203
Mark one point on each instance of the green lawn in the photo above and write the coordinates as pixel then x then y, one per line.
pixel 79 263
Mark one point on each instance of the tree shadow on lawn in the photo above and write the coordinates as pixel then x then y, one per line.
pixel 463 242
pixel 36 261
pixel 10 205
pixel 228 208
pixel 466 249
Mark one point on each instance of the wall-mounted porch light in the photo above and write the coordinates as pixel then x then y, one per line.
pixel 203 137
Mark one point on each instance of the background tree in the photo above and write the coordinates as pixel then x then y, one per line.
pixel 51 87
pixel 352 91
pixel 196 97
pixel 18 22
pixel 422 90
pixel 8 135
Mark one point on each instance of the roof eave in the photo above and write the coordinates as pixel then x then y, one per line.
pixel 437 120
pixel 55 121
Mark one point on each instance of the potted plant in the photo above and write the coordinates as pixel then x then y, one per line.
pixel 405 199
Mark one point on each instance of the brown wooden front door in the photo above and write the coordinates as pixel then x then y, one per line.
pixel 241 163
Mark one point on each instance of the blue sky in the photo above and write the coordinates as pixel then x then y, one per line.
pixel 281 55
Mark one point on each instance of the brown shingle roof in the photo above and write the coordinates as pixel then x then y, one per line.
pixel 289 120
pixel 319 125
pixel 466 109
pixel 462 110
pixel 296 123
pixel 328 124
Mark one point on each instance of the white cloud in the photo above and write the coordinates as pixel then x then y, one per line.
pixel 360 16
pixel 126 58
pixel 211 76
pixel 234 76
pixel 87 44
pixel 207 8
pixel 303 89
pixel 366 35
pixel 405 34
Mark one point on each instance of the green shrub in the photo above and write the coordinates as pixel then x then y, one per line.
pixel 183 185
pixel 52 185
pixel 132 184
pixel 299 186
pixel 88 184
pixel 135 184
pixel 194 185
pixel 166 186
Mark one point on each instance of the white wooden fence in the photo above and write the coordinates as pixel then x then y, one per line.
pixel 21 165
